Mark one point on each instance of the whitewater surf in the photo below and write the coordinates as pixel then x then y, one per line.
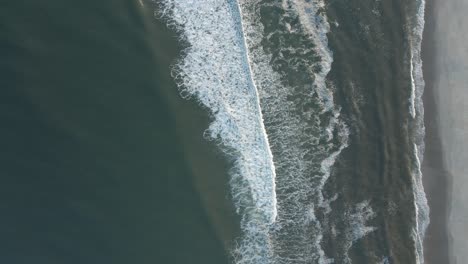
pixel 262 70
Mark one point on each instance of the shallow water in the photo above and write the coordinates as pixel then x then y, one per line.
pixel 339 86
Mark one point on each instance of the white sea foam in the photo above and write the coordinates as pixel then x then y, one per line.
pixel 421 208
pixel 417 80
pixel 215 71
pixel 417 112
pixel 356 220
pixel 316 25
pixel 228 70
pixel 296 133
pixel 413 88
pixel 385 261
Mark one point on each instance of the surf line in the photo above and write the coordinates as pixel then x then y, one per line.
pixel 413 88
pixel 421 215
pixel 274 213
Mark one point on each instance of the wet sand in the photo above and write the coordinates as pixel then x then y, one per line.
pixel 445 70
pixel 436 179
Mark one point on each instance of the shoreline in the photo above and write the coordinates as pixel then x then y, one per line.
pixel 436 179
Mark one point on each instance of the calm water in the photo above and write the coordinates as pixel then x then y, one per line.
pixel 91 162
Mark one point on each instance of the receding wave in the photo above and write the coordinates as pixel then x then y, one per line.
pixel 417 112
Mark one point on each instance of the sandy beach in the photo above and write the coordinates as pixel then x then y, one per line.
pixel 446 70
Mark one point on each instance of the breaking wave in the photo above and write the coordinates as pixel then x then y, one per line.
pixel 417 112
pixel 214 70
pixel 290 62
pixel 263 79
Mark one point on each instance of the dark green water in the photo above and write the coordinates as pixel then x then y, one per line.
pixel 371 67
pixel 92 164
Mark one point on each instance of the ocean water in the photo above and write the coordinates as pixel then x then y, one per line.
pixel 93 167
pixel 126 125
pixel 318 105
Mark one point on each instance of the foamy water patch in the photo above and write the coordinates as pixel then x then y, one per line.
pixel 306 132
pixel 215 71
pixel 260 108
pixel 416 73
pixel 413 88
pixel 417 112
pixel 314 21
pixel 356 219
pixel 385 260
pixel 421 208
